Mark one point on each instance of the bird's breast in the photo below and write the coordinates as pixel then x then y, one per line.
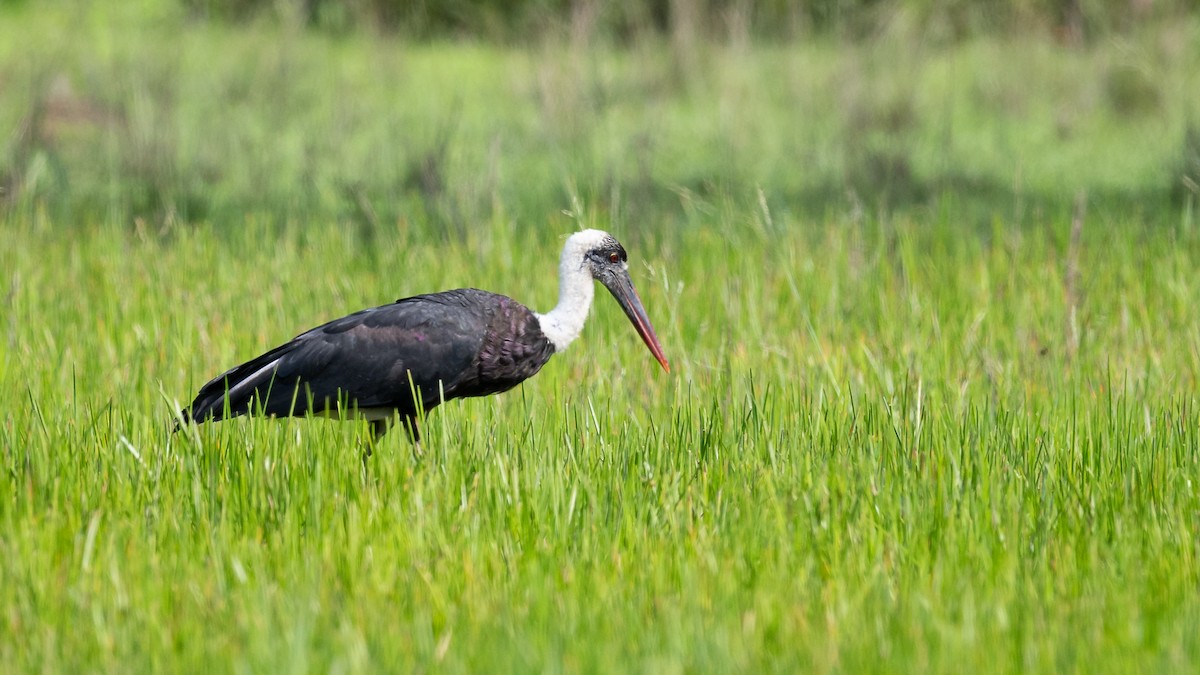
pixel 514 348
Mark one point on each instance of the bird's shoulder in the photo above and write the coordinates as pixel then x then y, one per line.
pixel 492 310
pixel 459 307
pixel 468 320
pixel 433 335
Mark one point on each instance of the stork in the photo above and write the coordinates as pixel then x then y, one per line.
pixel 400 360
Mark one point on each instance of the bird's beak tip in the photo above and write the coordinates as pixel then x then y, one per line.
pixel 622 289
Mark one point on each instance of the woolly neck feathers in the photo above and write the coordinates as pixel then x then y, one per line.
pixel 576 289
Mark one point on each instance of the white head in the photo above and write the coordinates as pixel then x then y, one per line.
pixel 588 255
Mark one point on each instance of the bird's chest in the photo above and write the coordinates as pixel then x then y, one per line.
pixel 510 355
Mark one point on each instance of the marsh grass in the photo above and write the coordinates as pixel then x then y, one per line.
pixel 942 434
pixel 220 121
pixel 875 450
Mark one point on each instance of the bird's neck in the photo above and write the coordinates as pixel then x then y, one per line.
pixel 563 324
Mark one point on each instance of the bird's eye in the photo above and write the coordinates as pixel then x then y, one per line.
pixel 613 257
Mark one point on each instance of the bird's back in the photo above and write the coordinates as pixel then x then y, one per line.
pixel 447 345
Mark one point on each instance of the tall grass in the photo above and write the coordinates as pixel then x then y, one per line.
pixel 876 450
pixel 943 420
pixel 114 120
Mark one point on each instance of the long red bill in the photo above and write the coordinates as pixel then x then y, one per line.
pixel 622 289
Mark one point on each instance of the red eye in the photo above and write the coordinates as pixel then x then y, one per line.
pixel 613 258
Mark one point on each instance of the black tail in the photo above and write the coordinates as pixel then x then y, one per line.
pixel 235 391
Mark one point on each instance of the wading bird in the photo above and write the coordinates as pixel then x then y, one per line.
pixel 399 360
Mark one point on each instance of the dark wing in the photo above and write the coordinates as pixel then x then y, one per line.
pixel 364 359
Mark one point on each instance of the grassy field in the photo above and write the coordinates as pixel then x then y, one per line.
pixel 920 428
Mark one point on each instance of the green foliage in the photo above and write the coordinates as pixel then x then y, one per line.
pixel 882 446
pixel 1130 91
pixel 1188 172
pixel 916 419
pixel 518 20
pixel 219 122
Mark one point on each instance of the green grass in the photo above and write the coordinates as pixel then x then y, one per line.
pixel 143 113
pixel 874 452
pixel 892 439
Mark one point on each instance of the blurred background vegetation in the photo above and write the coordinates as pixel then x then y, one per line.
pixel 515 20
pixel 440 114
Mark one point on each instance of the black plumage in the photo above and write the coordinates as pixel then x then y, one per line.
pixel 406 358
pixel 453 344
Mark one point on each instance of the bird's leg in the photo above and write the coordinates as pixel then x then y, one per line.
pixel 378 429
pixel 414 435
